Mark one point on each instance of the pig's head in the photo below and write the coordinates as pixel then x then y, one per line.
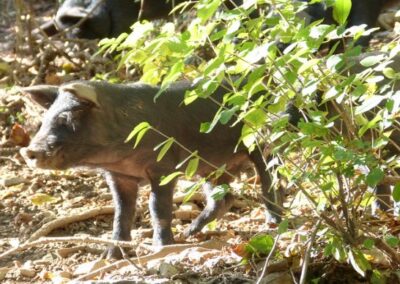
pixel 65 137
pixel 96 18
pixel 93 15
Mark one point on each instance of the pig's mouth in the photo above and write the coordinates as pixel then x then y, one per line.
pixel 51 160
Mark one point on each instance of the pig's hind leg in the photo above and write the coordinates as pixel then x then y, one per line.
pixel 272 198
pixel 214 209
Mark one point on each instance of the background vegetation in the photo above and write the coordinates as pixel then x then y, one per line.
pixel 337 154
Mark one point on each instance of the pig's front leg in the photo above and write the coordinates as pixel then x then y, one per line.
pixel 124 191
pixel 160 204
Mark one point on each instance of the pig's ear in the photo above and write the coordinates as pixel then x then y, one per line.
pixel 82 91
pixel 44 95
pixel 49 28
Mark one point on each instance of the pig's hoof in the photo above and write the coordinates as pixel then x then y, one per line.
pixel 164 241
pixel 112 252
pixel 191 231
pixel 272 218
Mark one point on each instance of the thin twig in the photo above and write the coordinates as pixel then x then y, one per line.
pixel 304 267
pixel 271 253
pixel 83 239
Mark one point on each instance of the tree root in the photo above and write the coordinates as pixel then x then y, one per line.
pixel 161 253
pixel 64 221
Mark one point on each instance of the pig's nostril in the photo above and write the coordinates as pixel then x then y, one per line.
pixel 31 154
pixel 68 20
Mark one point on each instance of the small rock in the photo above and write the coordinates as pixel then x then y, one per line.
pixel 42 262
pixel 23 218
pixel 64 274
pixel 6 182
pixel 89 266
pixel 167 270
pixel 277 278
pixel 187 211
pixel 189 206
pixel 186 215
pixel 27 272
pixel 3 272
pixel 105 196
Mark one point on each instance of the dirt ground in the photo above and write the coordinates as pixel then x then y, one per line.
pixel 54 225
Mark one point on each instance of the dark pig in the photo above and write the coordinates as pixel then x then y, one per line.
pixel 362 12
pixel 104 18
pixel 95 19
pixel 87 123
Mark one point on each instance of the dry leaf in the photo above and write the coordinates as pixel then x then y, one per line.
pixel 19 136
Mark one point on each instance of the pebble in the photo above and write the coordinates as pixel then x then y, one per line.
pixel 3 272
pixel 6 182
pixel 167 270
pixel 27 272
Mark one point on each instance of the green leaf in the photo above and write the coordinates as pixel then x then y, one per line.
pixel 377 277
pixel 278 106
pixel 137 129
pixel 140 135
pixel 341 11
pixel 248 136
pixel 308 64
pixel 359 262
pixel 191 190
pixel 369 243
pixel 392 241
pixel 220 191
pixel 41 199
pixel 374 177
pixel 192 167
pixel 312 129
pixel 206 9
pixel 227 114
pixel 194 154
pixel 371 60
pixel 369 104
pixel 339 253
pixel 169 178
pixel 261 244
pixel 207 127
pixel 283 226
pixel 328 250
pixel 174 73
pixel 389 73
pixel 396 192
pixel 190 96
pixel 256 117
pixel 165 147
pixel 370 124
pixel 212 226
pixel 219 172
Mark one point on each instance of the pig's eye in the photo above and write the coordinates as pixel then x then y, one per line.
pixel 65 120
pixel 52 141
pixel 62 120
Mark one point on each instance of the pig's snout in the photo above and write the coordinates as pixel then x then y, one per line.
pixel 33 157
pixel 70 17
pixel 31 154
